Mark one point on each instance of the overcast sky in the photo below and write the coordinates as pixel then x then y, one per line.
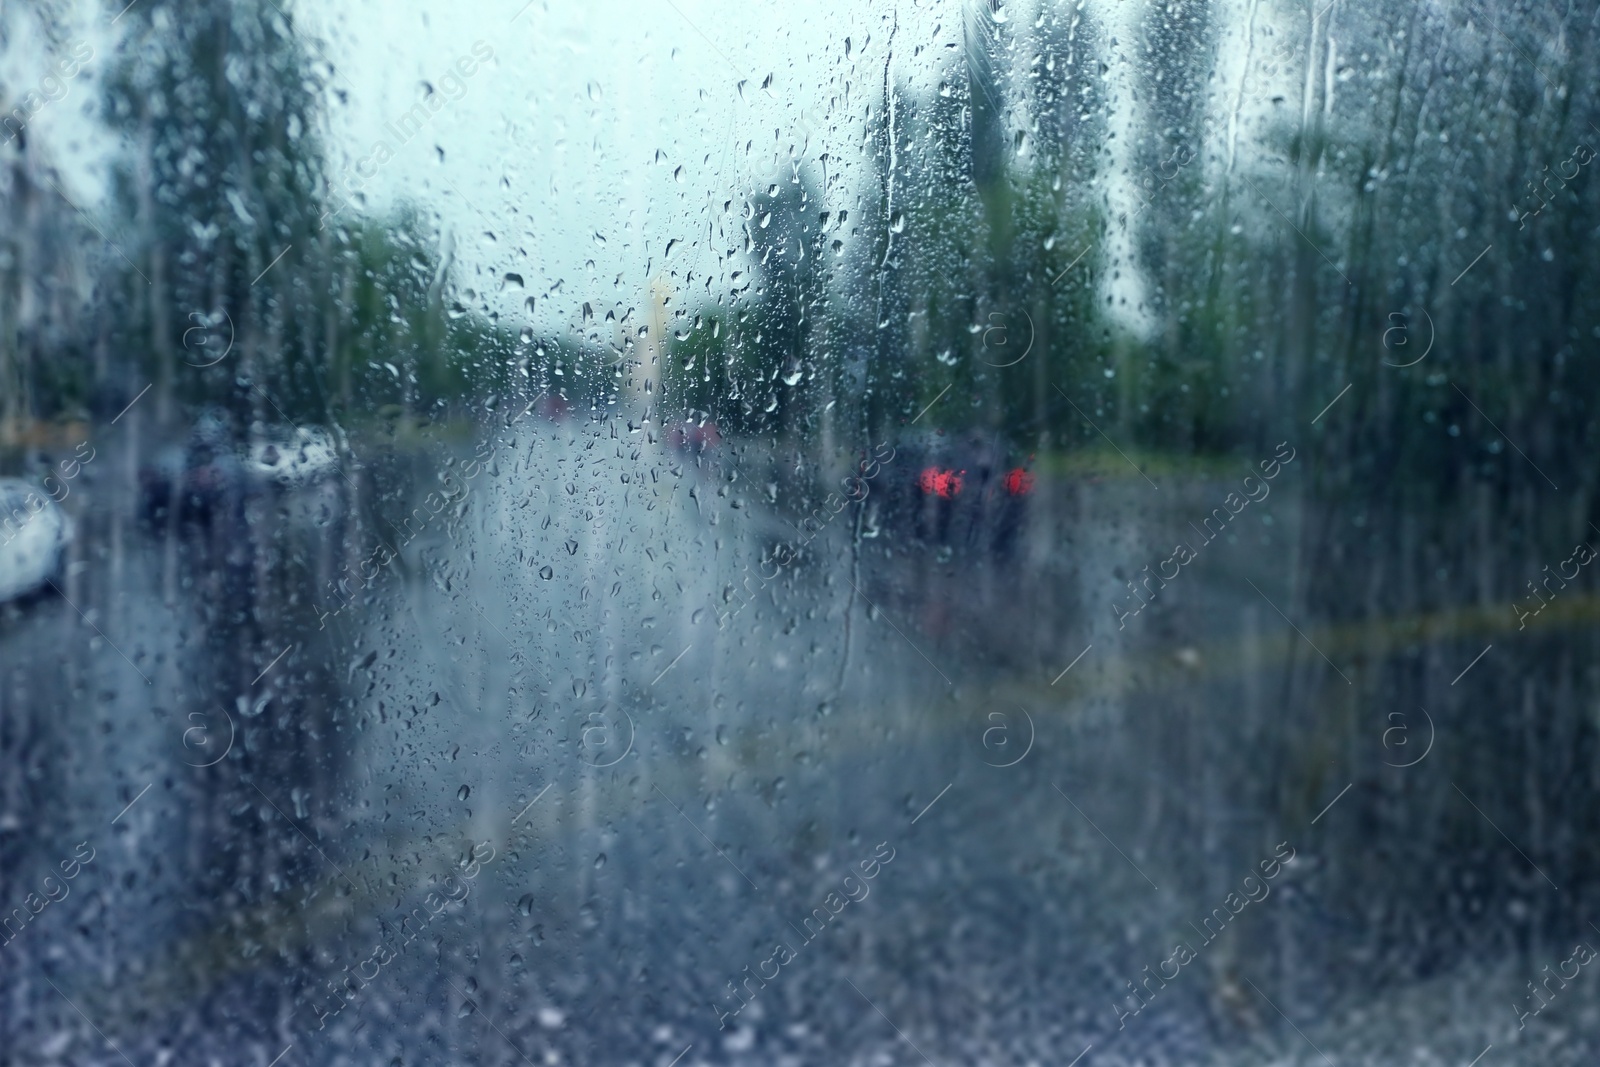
pixel 602 133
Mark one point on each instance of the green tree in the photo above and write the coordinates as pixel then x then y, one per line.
pixel 220 106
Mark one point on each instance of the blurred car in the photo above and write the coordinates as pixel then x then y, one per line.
pixel 34 532
pixel 212 474
pixel 291 457
pixel 965 492
pixel 199 479
pixel 554 407
pixel 693 437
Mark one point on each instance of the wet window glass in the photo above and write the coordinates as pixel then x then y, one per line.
pixel 672 533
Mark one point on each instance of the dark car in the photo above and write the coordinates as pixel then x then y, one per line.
pixel 201 480
pixel 693 437
pixel 962 492
pixel 213 474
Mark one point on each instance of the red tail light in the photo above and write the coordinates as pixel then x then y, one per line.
pixel 1019 482
pixel 942 483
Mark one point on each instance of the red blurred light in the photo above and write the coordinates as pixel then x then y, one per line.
pixel 1019 482
pixel 942 483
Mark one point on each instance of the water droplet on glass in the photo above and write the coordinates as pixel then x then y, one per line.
pixel 600 861
pixel 547 572
pixel 464 792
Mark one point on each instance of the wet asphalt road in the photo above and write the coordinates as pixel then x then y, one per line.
pixel 541 676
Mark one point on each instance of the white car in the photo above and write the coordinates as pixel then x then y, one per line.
pixel 33 533
pixel 292 456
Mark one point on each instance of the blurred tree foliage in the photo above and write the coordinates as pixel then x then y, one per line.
pixel 219 104
pixel 225 182
pixel 982 233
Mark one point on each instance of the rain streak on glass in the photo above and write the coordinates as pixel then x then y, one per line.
pixel 678 533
